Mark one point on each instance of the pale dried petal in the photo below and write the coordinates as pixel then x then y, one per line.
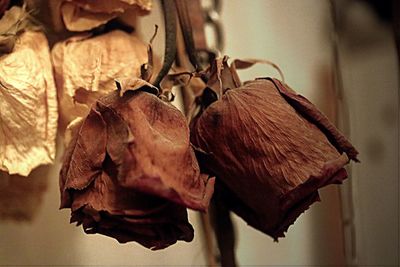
pixel 85 69
pixel 28 106
pixel 83 15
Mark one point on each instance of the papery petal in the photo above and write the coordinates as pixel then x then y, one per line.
pixel 28 106
pixel 84 156
pixel 85 69
pixel 160 136
pixel 83 15
pixel 309 111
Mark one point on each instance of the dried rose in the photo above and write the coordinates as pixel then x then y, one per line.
pixel 270 148
pixel 83 15
pixel 129 166
pixel 85 69
pixel 28 106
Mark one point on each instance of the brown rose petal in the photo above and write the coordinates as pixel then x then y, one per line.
pixel 157 157
pixel 107 208
pixel 271 150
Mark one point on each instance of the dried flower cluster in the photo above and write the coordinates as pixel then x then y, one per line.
pixel 130 169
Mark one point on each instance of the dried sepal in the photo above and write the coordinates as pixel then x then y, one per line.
pixel 271 150
pixel 128 168
pixel 86 68
pixel 28 105
pixel 83 15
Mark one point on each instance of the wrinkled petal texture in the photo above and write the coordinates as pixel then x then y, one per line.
pixel 269 154
pixel 158 158
pixel 85 69
pixel 28 106
pixel 83 15
pixel 128 168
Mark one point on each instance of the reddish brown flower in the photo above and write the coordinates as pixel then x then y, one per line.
pixel 270 148
pixel 130 171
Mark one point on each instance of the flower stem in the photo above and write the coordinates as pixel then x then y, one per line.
pixel 169 11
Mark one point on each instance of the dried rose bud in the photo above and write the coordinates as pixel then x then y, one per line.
pixel 270 149
pixel 85 69
pixel 129 167
pixel 83 15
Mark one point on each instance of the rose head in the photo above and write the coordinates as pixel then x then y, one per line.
pixel 270 149
pixel 130 171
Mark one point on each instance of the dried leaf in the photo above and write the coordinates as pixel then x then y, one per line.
pixel 85 69
pixel 28 104
pixel 127 169
pixel 271 150
pixel 83 15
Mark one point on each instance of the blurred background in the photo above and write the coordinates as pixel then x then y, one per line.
pixel 342 57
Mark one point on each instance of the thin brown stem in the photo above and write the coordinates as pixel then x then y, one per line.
pixel 169 11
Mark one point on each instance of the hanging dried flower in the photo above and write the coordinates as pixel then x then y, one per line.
pixel 28 106
pixel 83 15
pixel 129 166
pixel 85 69
pixel 270 148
